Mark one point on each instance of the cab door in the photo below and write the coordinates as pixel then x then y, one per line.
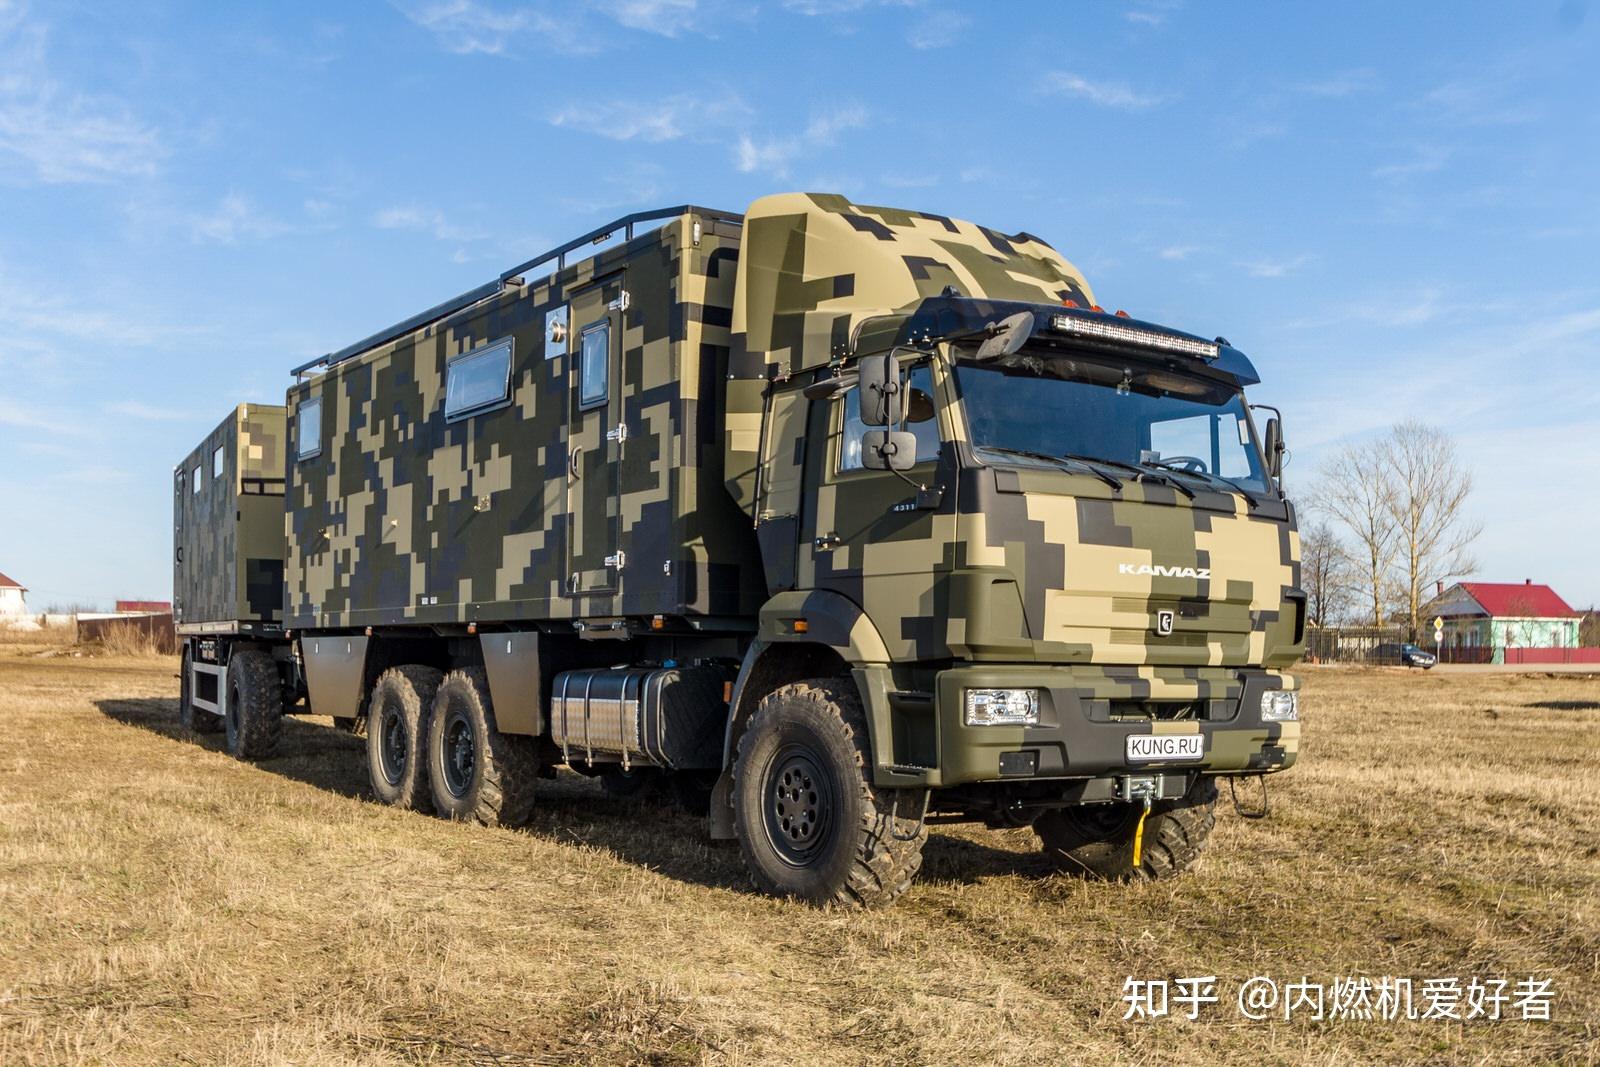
pixel 871 536
pixel 596 436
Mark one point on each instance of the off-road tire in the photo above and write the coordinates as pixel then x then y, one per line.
pixel 1099 843
pixel 494 783
pixel 190 717
pixel 254 719
pixel 397 736
pixel 802 774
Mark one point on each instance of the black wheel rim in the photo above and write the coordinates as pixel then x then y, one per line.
pixel 1102 822
pixel 394 747
pixel 798 805
pixel 458 754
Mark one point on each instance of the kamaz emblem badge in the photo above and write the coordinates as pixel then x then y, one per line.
pixel 1164 621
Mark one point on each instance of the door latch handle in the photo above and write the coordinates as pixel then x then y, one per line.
pixel 826 541
pixel 572 463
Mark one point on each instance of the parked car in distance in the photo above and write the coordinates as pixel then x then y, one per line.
pixel 1402 655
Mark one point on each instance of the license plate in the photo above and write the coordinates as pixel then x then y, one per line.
pixel 1163 748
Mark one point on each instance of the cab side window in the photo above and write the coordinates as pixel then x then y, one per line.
pixel 920 420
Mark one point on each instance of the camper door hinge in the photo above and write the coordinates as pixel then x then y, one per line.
pixel 620 303
pixel 619 560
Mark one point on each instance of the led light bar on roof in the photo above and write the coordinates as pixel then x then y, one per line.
pixel 1117 333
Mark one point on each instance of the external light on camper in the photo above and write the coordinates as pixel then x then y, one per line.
pixel 1117 333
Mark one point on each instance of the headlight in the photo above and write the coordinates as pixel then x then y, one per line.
pixel 1280 706
pixel 1002 707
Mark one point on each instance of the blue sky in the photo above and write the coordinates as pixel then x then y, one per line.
pixel 1394 208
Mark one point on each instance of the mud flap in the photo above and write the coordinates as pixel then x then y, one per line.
pixel 721 814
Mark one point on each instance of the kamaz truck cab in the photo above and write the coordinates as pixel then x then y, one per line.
pixel 1048 541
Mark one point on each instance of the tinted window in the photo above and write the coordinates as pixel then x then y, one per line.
pixel 595 378
pixel 197 481
pixel 920 420
pixel 308 429
pixel 218 463
pixel 478 380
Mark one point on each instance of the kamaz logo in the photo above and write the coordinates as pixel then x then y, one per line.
pixel 1160 570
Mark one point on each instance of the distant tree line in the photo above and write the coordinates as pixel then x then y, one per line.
pixel 1383 523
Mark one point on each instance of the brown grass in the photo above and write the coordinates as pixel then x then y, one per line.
pixel 160 903
pixel 130 639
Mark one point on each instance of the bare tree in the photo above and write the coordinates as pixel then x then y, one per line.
pixel 1357 490
pixel 1327 572
pixel 1427 488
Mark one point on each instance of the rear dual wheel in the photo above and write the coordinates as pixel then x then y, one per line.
pixel 476 773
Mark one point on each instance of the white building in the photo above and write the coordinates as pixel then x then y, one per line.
pixel 13 599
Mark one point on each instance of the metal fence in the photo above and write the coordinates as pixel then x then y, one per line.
pixel 1360 644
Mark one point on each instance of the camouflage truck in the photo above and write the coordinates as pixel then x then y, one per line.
pixel 833 521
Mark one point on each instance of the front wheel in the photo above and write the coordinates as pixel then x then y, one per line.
pixel 1097 840
pixel 810 823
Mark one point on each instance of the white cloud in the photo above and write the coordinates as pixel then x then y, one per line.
pixel 1105 94
pixel 1152 12
pixel 652 121
pixel 466 27
pixel 1274 268
pixel 1425 160
pixel 774 155
pixel 665 17
pixel 135 409
pixel 234 217
pixel 53 134
pixel 938 30
pixel 425 220
pixel 1339 86
pixel 1178 252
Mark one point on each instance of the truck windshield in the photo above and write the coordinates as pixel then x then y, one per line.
pixel 1150 418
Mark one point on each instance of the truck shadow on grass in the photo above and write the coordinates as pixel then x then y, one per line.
pixel 651 832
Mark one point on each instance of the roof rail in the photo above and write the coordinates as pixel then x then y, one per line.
pixel 514 276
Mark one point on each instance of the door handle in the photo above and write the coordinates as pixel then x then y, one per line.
pixel 572 463
pixel 825 542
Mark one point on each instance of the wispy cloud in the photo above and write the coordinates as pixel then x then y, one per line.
pixel 235 217
pixel 1341 85
pixel 1274 268
pixel 938 30
pixel 1104 94
pixel 467 27
pixel 425 220
pixel 774 155
pixel 52 133
pixel 1178 252
pixel 135 409
pixel 667 18
pixel 1152 12
pixel 1425 160
pixel 652 121
pixel 1483 101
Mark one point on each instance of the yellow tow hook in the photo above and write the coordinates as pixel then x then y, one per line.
pixel 1138 833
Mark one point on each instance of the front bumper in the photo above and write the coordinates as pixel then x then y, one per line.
pixel 1086 715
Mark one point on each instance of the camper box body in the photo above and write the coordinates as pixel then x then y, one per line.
pixel 227 567
pixel 552 452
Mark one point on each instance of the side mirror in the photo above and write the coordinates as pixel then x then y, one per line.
pixel 1274 447
pixel 888 450
pixel 882 396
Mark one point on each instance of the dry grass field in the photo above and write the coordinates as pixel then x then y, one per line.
pixel 162 903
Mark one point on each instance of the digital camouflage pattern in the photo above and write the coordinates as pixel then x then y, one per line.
pixel 228 525
pixel 702 483
pixel 539 509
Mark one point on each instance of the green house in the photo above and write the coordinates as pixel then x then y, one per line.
pixel 1483 620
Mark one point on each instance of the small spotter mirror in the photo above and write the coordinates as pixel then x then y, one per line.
pixel 882 398
pixel 888 450
pixel 1010 334
pixel 1274 447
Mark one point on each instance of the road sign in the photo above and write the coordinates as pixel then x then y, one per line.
pixel 1438 624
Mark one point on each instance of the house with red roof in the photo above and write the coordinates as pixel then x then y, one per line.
pixel 13 599
pixel 1505 622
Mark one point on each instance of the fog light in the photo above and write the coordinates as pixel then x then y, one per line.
pixel 1002 707
pixel 1277 705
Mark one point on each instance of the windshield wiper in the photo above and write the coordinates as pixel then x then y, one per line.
pixel 1109 479
pixel 1138 473
pixel 1249 497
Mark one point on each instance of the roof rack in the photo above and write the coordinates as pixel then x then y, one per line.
pixel 514 276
